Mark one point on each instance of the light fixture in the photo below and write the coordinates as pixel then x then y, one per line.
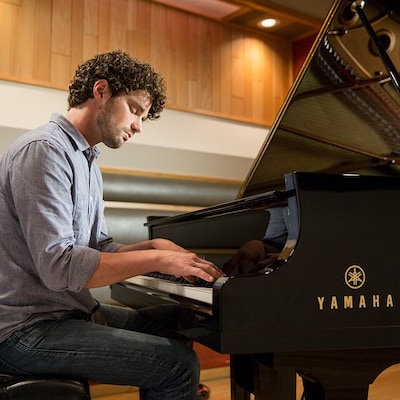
pixel 268 22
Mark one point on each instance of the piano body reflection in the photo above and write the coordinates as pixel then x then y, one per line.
pixel 328 306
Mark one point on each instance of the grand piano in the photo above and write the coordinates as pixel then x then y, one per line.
pixel 323 198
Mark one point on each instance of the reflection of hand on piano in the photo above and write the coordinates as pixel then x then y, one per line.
pixel 253 256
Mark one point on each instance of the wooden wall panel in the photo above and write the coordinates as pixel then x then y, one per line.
pixel 42 43
pixel 210 68
pixel 90 28
pixel 24 40
pixel 9 14
pixel 77 35
pixel 118 24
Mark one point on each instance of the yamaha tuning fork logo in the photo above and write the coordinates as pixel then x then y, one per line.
pixel 354 278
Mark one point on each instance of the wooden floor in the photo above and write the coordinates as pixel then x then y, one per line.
pixel 385 387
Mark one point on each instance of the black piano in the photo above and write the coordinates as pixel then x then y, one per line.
pixel 323 200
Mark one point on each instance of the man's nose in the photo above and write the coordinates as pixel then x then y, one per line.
pixel 136 125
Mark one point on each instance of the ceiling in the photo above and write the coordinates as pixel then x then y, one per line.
pixel 298 18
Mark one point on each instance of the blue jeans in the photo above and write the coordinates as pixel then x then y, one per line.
pixel 125 351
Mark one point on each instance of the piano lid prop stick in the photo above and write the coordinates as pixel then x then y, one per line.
pixel 358 6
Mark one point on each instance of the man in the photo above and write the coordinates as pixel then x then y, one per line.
pixel 54 245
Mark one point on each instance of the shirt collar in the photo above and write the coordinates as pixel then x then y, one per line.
pixel 77 139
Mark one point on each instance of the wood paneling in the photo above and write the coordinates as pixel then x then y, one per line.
pixel 210 68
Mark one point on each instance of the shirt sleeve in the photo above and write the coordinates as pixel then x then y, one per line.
pixel 42 178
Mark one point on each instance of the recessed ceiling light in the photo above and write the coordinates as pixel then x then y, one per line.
pixel 268 22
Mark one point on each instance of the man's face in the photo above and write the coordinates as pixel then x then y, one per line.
pixel 122 116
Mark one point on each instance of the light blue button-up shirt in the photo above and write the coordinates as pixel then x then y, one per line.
pixel 52 225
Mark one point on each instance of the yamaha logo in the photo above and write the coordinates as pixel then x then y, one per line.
pixel 354 277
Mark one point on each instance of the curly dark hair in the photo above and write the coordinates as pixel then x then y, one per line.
pixel 124 74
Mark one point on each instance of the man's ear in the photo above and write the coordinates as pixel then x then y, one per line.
pixel 100 88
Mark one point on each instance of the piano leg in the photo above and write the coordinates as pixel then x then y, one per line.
pixel 241 377
pixel 335 374
pixel 143 394
pixel 315 391
pixel 312 389
pixel 248 376
pixel 275 384
pixel 327 375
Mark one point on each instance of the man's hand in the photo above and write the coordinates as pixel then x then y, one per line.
pixel 188 265
pixel 159 255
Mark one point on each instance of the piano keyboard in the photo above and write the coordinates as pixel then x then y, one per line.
pixel 175 286
pixel 171 278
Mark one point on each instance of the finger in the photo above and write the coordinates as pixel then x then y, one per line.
pixel 206 272
pixel 211 267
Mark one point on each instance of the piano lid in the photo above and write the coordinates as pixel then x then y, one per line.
pixel 342 113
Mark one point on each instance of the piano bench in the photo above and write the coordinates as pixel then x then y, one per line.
pixel 43 387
